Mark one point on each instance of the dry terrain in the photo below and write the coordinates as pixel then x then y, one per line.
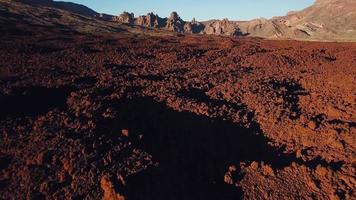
pixel 90 110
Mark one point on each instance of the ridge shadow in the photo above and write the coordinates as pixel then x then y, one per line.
pixel 32 101
pixel 193 152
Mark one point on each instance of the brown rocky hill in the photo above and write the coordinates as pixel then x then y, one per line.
pixel 325 20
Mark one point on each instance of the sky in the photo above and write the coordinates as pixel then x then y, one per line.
pixel 200 9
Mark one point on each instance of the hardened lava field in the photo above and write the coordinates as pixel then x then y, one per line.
pixel 122 115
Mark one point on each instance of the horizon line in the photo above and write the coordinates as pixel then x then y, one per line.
pixel 184 17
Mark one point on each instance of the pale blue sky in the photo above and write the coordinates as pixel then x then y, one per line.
pixel 200 9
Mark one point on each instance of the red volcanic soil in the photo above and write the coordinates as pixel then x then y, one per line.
pixel 131 116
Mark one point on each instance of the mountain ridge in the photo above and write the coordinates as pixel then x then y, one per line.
pixel 325 20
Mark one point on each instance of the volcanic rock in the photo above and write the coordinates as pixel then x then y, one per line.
pixel 125 132
pixel 175 23
pixel 125 18
pixel 109 190
pixel 229 175
pixel 221 27
pixel 198 104
pixel 325 20
pixel 312 125
pixel 150 20
pixel 193 27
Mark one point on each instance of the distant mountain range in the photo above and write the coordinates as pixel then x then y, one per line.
pixel 331 20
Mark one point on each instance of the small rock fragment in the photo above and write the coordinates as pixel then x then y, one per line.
pixel 232 168
pixel 228 177
pixel 254 165
pixel 321 171
pixel 125 132
pixel 312 125
pixel 267 170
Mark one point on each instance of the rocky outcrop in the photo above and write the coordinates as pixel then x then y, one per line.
pixel 222 27
pixel 325 20
pixel 150 20
pixel 194 27
pixel 175 23
pixel 125 18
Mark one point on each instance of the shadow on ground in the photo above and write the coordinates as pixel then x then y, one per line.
pixel 193 152
pixel 32 101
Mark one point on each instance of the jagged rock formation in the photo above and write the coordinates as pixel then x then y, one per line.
pixel 221 27
pixel 125 18
pixel 194 27
pixel 175 23
pixel 325 20
pixel 332 20
pixel 150 20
